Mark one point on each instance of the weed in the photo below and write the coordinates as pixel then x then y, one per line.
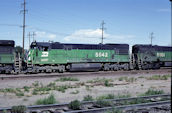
pixel 19 94
pixel 34 92
pixel 63 79
pixel 114 110
pixel 88 88
pixel 8 90
pixel 131 79
pixel 151 91
pixel 112 96
pixel 49 100
pixel 103 103
pixel 121 78
pixel 75 105
pixel 51 84
pixel 18 109
pixel 98 80
pixel 141 77
pixel 26 88
pixel 107 84
pixel 108 96
pixel 35 84
pixel 4 111
pixel 25 99
pixel 158 77
pixel 62 88
pixel 88 98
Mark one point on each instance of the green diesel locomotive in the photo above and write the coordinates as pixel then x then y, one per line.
pixel 60 57
pixel 52 57
pixel 6 56
pixel 151 57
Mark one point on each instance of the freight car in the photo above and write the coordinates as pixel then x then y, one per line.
pixel 60 57
pixel 151 57
pixel 6 56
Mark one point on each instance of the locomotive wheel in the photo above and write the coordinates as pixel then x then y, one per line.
pixel 115 68
pixel 126 67
pixel 61 69
pixel 156 66
pixel 106 67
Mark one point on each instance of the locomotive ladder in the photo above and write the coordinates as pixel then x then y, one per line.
pixel 17 64
pixel 132 62
pixel 29 65
pixel 139 64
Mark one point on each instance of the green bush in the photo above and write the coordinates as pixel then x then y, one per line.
pixel 26 88
pixel 103 103
pixel 49 100
pixel 8 90
pixel 151 91
pixel 62 88
pixel 18 109
pixel 107 84
pixel 112 96
pixel 19 94
pixel 88 98
pixel 75 105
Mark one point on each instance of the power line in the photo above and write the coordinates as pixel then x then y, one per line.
pixel 12 25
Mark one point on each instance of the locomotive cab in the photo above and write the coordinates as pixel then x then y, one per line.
pixel 6 56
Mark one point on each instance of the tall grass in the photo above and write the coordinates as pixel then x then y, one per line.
pixel 49 100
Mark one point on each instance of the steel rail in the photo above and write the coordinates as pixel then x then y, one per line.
pixel 48 75
pixel 65 105
pixel 124 107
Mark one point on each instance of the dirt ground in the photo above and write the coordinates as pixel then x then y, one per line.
pixel 86 86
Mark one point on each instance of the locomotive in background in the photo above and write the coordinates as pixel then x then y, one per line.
pixel 61 57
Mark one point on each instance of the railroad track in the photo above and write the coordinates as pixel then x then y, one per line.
pixel 126 104
pixel 48 75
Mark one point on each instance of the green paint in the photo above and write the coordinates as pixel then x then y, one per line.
pixel 6 58
pixel 60 56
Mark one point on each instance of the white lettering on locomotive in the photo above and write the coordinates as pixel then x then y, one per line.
pixel 160 54
pixel 101 54
pixel 44 54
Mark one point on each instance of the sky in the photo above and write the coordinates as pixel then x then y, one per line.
pixel 79 21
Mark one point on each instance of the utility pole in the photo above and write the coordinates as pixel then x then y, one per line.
pixel 24 13
pixel 151 37
pixel 171 21
pixel 102 28
pixel 29 35
pixel 33 35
